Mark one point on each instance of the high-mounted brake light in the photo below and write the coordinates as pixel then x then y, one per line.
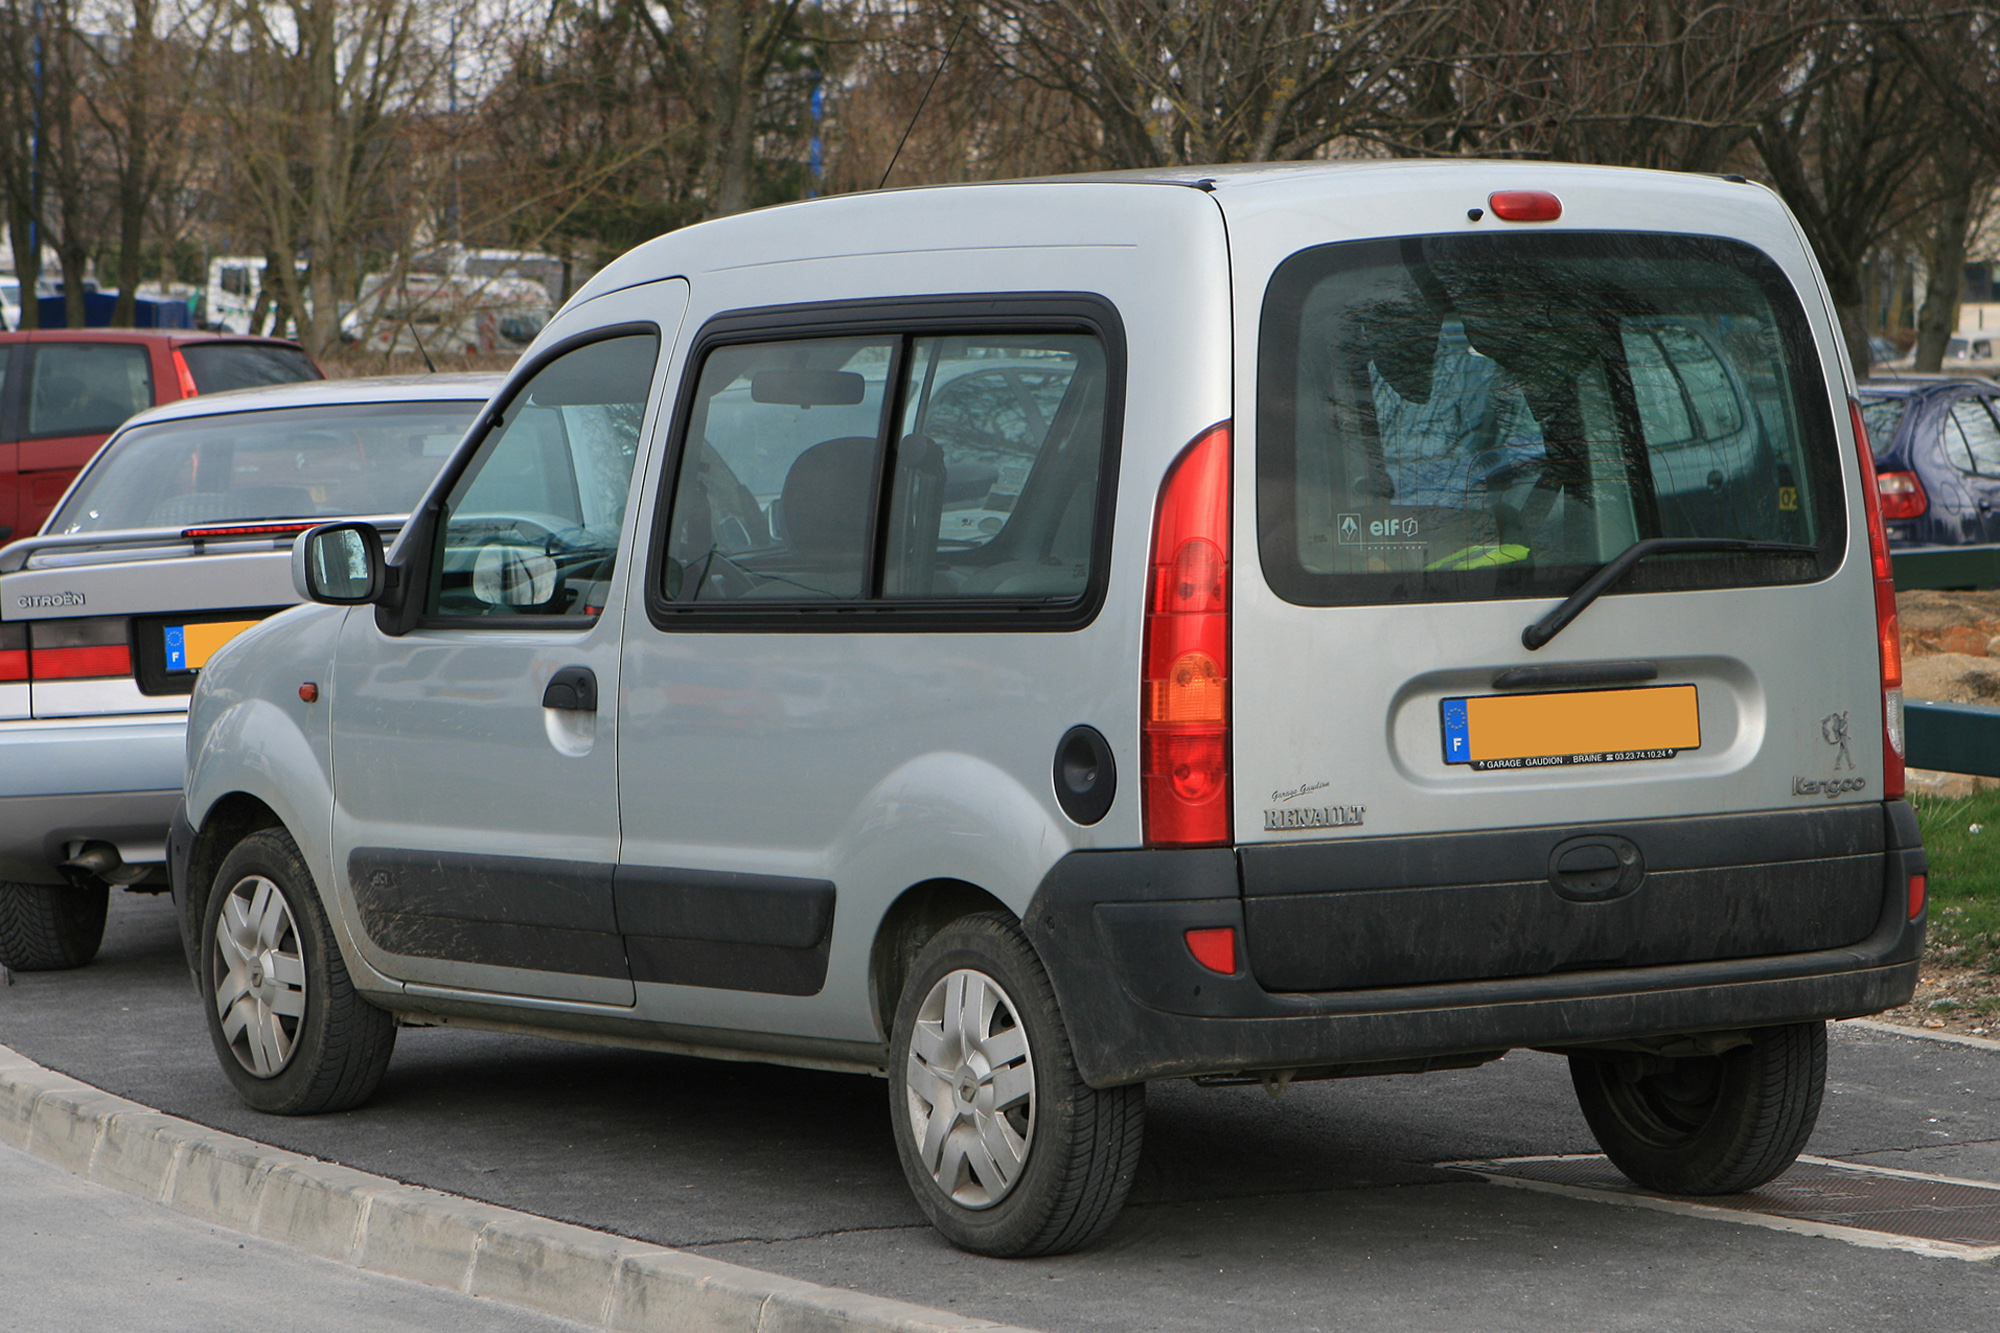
pixel 185 376
pixel 1184 672
pixel 249 530
pixel 1524 205
pixel 1888 638
pixel 1901 494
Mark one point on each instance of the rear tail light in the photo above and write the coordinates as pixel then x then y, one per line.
pixel 1918 886
pixel 1888 643
pixel 185 376
pixel 1184 684
pixel 79 649
pixel 1901 495
pixel 13 652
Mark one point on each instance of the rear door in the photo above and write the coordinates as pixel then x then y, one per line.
pixel 1448 432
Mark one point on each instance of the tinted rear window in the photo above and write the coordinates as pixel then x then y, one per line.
pixel 1470 417
pixel 87 388
pixel 219 366
pixel 302 462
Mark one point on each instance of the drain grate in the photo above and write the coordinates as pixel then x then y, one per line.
pixel 1816 1191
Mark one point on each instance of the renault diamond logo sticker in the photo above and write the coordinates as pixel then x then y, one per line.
pixel 1350 529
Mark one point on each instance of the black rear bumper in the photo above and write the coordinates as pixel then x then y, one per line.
pixel 1110 928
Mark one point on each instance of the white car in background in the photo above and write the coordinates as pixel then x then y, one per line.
pixel 174 539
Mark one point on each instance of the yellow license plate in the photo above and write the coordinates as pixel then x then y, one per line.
pixel 190 646
pixel 1575 727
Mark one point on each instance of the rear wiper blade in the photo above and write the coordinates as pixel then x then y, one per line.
pixel 1572 606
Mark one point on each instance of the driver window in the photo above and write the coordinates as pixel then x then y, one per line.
pixel 533 525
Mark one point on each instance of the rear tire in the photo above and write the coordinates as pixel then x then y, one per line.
pixel 51 927
pixel 1008 1151
pixel 291 1034
pixel 1715 1124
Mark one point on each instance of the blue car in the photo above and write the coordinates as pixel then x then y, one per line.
pixel 1937 458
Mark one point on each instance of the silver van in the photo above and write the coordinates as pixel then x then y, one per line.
pixel 1028 640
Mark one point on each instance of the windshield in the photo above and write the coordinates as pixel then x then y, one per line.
pixel 1469 417
pixel 299 462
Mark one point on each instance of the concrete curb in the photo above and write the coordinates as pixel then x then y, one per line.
pixel 423 1235
pixel 1921 1034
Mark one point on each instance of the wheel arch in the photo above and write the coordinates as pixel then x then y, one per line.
pixel 918 914
pixel 228 820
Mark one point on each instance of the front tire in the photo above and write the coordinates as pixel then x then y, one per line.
pixel 1008 1151
pixel 51 927
pixel 291 1034
pixel 1713 1124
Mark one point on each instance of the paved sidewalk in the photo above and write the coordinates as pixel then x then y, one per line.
pixel 76 1255
pixel 391 1230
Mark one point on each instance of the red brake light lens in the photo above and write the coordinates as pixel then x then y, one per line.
pixel 184 376
pixel 110 659
pixel 1888 638
pixel 249 530
pixel 1525 205
pixel 1901 495
pixel 1184 687
pixel 1918 887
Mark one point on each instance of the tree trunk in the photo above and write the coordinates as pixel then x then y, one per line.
pixel 1944 258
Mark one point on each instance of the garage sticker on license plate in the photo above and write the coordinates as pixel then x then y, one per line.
pixel 188 647
pixel 1575 727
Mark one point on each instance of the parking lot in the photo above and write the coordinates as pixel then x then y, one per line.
pixel 1326 1208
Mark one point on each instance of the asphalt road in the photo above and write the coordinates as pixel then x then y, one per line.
pixel 1323 1209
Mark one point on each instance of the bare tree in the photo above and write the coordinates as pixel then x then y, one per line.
pixel 318 94
pixel 722 53
pixel 1647 83
pixel 1191 81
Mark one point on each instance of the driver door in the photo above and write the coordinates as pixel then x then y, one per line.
pixel 475 757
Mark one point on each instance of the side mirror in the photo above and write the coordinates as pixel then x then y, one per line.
pixel 339 564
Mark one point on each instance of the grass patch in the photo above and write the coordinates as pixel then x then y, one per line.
pixel 1962 838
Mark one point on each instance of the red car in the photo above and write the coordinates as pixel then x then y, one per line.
pixel 63 391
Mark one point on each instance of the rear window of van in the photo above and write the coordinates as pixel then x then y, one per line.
pixel 219 366
pixel 1469 417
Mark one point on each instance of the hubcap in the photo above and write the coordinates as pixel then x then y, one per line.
pixel 260 986
pixel 971 1087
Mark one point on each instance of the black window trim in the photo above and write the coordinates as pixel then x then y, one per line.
pixel 413 573
pixel 904 318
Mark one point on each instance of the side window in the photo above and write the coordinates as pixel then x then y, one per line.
pixel 87 388
pixel 1982 437
pixel 799 483
pixel 996 476
pixel 532 526
pixel 775 494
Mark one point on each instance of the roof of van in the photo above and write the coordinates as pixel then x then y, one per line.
pixel 782 231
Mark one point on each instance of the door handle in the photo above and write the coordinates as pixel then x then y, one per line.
pixel 574 688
